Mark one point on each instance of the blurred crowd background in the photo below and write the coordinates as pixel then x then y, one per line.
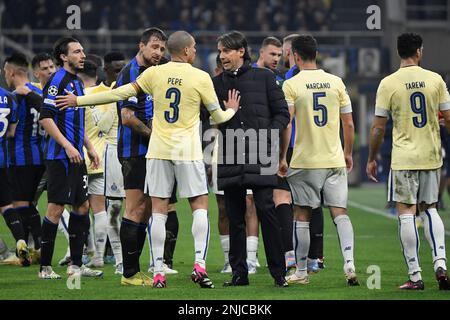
pixel 347 47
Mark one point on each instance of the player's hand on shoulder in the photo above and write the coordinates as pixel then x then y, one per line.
pixel 22 90
pixel 66 101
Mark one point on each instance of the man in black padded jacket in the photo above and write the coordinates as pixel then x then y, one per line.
pixel 249 153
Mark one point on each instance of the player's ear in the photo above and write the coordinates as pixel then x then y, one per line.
pixel 419 52
pixel 241 52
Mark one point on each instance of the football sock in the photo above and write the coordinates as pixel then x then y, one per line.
pixel 200 232
pixel 316 234
pixel 49 230
pixel 171 237
pixel 36 227
pixel 285 217
pixel 252 249
pixel 113 228
pixel 100 221
pixel 157 232
pixel 301 246
pixel 225 243
pixel 129 240
pixel 63 225
pixel 78 229
pixel 409 240
pixel 14 224
pixel 345 235
pixel 435 235
pixel 142 233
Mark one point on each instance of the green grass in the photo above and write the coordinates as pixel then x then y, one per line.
pixel 376 243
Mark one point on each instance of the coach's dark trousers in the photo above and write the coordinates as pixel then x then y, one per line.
pixel 235 207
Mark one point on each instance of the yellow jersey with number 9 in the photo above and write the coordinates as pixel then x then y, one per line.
pixel 413 96
pixel 178 91
pixel 319 98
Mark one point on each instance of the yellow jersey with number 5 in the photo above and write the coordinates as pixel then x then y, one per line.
pixel 178 91
pixel 319 98
pixel 413 96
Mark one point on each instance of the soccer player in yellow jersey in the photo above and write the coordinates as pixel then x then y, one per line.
pixel 175 152
pixel 97 235
pixel 413 97
pixel 319 102
pixel 114 192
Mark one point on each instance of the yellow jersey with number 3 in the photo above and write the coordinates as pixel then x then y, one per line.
pixel 413 96
pixel 178 91
pixel 319 98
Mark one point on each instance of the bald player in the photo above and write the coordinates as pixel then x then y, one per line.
pixel 175 149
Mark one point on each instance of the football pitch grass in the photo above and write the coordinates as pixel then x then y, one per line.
pixel 376 244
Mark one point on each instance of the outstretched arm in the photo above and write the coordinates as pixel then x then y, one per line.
pixel 232 104
pixel 118 94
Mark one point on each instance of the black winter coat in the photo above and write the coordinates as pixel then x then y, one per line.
pixel 244 160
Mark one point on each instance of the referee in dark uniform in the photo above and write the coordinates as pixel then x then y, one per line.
pixel 67 175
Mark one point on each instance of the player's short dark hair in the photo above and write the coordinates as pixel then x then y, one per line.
pixel 89 69
pixel 305 46
pixel 152 32
pixel 271 41
pixel 37 59
pixel 62 47
pixel 235 40
pixel 19 60
pixel 95 58
pixel 407 44
pixel 113 56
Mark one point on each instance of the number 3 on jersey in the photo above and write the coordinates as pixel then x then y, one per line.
pixel 418 107
pixel 320 107
pixel 3 121
pixel 174 105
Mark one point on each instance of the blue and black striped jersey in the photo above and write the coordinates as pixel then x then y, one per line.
pixel 289 74
pixel 69 121
pixel 131 144
pixel 278 76
pixel 8 114
pixel 26 146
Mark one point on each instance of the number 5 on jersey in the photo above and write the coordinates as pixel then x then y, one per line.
pixel 320 121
